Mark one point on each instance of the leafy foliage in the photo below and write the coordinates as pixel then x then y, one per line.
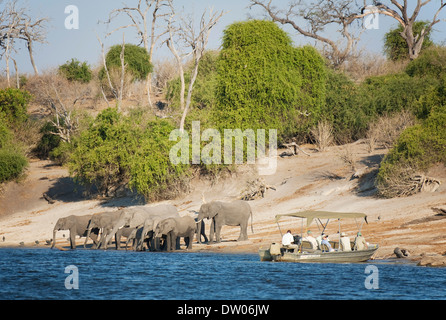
pixel 264 82
pixel 12 160
pixel 396 47
pixel 48 141
pixel 431 63
pixel 203 96
pixel 345 107
pixel 13 105
pixel 394 92
pixel 76 71
pixel 136 59
pixel 117 151
pixel 12 165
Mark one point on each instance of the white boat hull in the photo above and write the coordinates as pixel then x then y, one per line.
pixel 319 256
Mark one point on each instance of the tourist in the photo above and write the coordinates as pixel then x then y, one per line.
pixel 288 240
pixel 344 243
pixel 325 241
pixel 311 240
pixel 360 243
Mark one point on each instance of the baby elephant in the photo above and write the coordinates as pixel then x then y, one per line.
pixel 175 228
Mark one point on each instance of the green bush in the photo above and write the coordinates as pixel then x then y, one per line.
pixel 117 151
pixel 6 135
pixel 12 158
pixel 136 59
pixel 345 107
pixel 263 82
pixel 393 93
pixel 48 142
pixel 12 165
pixel 76 71
pixel 431 63
pixel 203 96
pixel 13 105
pixel 417 149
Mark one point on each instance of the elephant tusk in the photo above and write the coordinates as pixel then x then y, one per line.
pixel 202 198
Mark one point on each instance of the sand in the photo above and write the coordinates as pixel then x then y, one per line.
pixel 321 181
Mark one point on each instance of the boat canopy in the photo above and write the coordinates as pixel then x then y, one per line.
pixel 311 215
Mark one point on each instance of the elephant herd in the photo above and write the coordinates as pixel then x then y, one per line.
pixel 155 228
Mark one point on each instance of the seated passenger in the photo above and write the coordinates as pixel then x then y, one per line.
pixel 325 241
pixel 360 243
pixel 311 240
pixel 344 243
pixel 288 240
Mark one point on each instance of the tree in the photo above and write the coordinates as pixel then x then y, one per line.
pixel 414 39
pixel 264 82
pixel 396 47
pixel 319 15
pixel 124 57
pixel 10 19
pixel 118 151
pixel 16 24
pixel 136 59
pixel 140 19
pixel 194 40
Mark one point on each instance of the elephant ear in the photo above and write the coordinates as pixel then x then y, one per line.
pixel 156 221
pixel 216 207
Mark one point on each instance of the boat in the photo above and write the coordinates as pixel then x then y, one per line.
pixel 306 252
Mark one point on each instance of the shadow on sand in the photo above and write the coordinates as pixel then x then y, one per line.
pixel 66 189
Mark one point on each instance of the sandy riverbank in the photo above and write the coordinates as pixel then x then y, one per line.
pixel 321 181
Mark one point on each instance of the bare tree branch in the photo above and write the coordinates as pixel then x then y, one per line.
pixel 107 73
pixel 414 42
pixel 185 35
pixel 16 24
pixel 318 15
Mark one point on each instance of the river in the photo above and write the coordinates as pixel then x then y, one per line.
pixel 96 274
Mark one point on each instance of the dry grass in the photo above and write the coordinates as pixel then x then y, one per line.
pixel 322 135
pixel 348 157
pixel 386 129
pixel 369 65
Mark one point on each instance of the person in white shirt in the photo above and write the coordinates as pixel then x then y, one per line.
pixel 344 242
pixel 288 240
pixel 311 240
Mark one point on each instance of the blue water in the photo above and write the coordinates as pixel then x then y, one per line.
pixel 40 274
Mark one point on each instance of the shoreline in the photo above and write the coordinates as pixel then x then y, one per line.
pixel 379 260
pixel 410 223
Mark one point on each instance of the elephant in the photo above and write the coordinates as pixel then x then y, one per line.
pixel 201 232
pixel 235 213
pixel 146 231
pixel 105 221
pixel 129 233
pixel 78 227
pixel 134 217
pixel 175 228
pixel 201 228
